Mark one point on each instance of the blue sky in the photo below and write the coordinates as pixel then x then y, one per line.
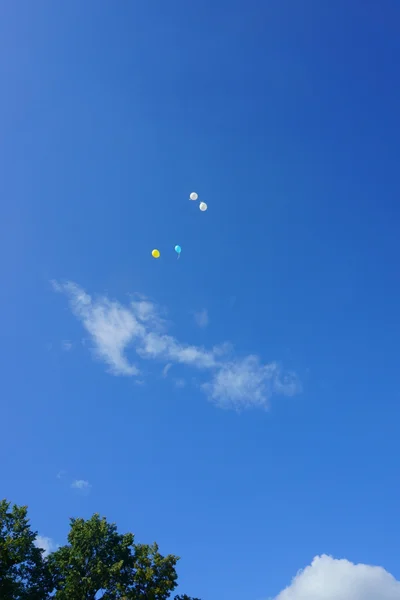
pixel 283 116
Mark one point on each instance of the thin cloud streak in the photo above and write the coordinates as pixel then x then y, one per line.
pixel 233 382
pixel 201 318
pixel 166 369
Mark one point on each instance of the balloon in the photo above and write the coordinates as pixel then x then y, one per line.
pixel 203 206
pixel 155 253
pixel 178 249
pixel 193 196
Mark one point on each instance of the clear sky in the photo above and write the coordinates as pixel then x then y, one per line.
pixel 118 395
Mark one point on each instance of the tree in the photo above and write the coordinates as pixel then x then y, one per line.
pixel 23 571
pixel 98 562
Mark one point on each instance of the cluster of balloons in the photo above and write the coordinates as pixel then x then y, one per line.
pixel 156 253
pixel 203 207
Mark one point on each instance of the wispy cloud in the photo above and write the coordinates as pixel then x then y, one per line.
pixel 82 485
pixel 67 345
pixel 180 383
pixel 46 544
pixel 166 369
pixel 247 382
pixel 231 381
pixel 201 318
pixel 111 326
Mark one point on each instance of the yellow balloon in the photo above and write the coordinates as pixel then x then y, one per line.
pixel 155 253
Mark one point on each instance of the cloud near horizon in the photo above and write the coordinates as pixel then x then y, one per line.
pixel 233 382
pixel 328 578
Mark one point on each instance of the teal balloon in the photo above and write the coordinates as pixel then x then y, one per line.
pixel 178 249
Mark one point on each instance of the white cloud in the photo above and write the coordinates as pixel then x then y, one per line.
pixel 114 328
pixel 201 318
pixel 81 485
pixel 46 544
pixel 111 326
pixel 67 345
pixel 332 579
pixel 166 369
pixel 244 382
pixel 180 383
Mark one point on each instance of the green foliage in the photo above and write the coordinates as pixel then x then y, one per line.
pixel 23 571
pixel 96 563
pixel 98 560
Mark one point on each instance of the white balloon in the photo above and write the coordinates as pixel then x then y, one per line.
pixel 193 196
pixel 203 206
